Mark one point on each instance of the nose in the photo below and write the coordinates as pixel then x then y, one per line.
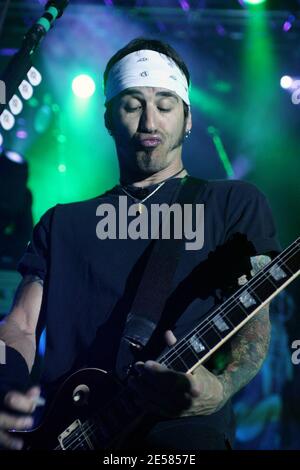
pixel 148 120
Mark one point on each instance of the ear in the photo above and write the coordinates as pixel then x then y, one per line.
pixel 189 123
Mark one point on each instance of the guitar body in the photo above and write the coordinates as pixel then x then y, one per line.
pixel 79 398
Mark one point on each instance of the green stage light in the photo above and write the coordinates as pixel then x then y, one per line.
pixel 62 168
pixel 253 2
pixel 83 86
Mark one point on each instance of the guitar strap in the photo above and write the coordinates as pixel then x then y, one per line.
pixel 156 283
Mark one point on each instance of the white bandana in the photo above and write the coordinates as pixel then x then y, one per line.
pixel 146 68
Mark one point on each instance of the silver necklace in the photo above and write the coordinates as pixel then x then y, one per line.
pixel 139 202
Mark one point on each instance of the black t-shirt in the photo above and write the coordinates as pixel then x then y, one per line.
pixel 89 284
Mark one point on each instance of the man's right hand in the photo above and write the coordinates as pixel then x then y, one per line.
pixel 21 402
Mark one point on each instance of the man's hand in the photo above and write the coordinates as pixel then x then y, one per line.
pixel 172 393
pixel 211 396
pixel 162 390
pixel 21 402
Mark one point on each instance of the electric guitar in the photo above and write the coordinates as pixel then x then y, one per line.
pixel 91 409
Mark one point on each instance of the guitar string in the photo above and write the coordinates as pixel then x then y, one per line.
pixel 92 427
pixel 261 276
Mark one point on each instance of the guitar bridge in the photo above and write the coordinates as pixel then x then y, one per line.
pixel 78 435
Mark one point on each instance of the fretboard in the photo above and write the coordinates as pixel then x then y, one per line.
pixel 196 347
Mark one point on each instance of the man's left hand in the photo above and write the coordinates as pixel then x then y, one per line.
pixel 176 394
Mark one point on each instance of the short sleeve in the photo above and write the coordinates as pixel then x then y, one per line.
pixel 249 213
pixel 36 257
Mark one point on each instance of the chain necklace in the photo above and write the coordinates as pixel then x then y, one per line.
pixel 139 202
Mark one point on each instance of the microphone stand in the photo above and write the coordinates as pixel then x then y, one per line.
pixel 20 64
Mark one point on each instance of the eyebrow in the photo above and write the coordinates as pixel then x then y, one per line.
pixel 167 94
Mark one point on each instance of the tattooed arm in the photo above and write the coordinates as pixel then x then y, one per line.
pixel 249 347
pixel 248 351
pixel 18 328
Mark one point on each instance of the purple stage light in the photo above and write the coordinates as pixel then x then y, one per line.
pixel 21 134
pixel 184 5
pixel 287 26
pixel 220 30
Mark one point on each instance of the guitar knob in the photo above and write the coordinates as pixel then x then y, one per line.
pixel 81 394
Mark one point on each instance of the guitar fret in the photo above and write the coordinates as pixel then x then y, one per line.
pixel 178 364
pixel 220 325
pixel 198 345
pixel 292 262
pixel 188 354
pixel 211 337
pixel 191 350
pixel 236 314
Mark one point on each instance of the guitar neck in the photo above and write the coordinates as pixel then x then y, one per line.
pixel 199 344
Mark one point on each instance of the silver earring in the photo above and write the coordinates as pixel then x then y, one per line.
pixel 188 133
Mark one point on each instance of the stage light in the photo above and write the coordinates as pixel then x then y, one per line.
pixel 286 26
pixel 26 90
pixel 1 140
pixel 83 86
pixel 14 157
pixel 34 76
pixel 62 168
pixel 184 5
pixel 252 2
pixel 7 120
pixel 21 134
pixel 15 105
pixel 286 82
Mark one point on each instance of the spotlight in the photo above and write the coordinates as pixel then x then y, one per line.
pixel 251 2
pixel 83 86
pixel 26 90
pixel 7 120
pixel 15 105
pixel 62 168
pixel 184 5
pixel 34 76
pixel 22 134
pixel 14 157
pixel 286 82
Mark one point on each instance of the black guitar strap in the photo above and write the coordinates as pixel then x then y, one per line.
pixel 155 285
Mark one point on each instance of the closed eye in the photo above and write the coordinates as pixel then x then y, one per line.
pixel 132 110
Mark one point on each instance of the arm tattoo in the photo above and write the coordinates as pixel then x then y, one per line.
pixel 20 289
pixel 249 346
